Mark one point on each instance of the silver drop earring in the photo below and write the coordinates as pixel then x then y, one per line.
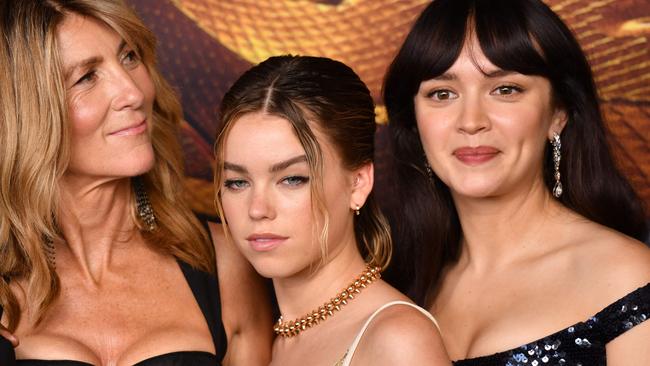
pixel 145 211
pixel 557 156
pixel 427 167
pixel 429 170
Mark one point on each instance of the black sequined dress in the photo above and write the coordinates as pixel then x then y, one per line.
pixel 581 344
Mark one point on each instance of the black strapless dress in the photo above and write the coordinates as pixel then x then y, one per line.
pixel 581 344
pixel 205 288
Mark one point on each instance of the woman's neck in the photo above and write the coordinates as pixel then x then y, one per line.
pixel 306 291
pixel 503 229
pixel 93 217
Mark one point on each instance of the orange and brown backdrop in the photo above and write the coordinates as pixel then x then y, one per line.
pixel 205 44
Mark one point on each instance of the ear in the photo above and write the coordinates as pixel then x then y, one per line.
pixel 560 118
pixel 363 179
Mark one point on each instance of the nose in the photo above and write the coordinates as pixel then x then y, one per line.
pixel 261 205
pixel 473 118
pixel 127 92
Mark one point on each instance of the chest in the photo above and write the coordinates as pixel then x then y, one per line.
pixel 479 318
pixel 132 314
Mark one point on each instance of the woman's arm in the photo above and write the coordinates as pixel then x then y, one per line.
pixel 630 348
pixel 246 307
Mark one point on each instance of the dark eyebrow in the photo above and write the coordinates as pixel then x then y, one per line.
pixel 446 77
pixel 89 62
pixel 498 73
pixel 274 169
pixel 287 163
pixel 234 167
pixel 449 76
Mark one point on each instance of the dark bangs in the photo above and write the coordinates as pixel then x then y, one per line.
pixel 425 54
pixel 504 34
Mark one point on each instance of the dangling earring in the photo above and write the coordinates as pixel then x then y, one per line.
pixel 145 211
pixel 557 156
pixel 50 252
pixel 427 167
pixel 357 210
pixel 429 170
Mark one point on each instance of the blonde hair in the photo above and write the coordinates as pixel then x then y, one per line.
pixel 327 93
pixel 34 148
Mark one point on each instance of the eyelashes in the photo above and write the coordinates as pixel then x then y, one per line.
pixel 444 94
pixel 295 180
pixel 130 60
pixel 292 181
pixel 235 184
pixel 507 90
pixel 86 78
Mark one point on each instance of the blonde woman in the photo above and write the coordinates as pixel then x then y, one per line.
pixel 102 261
pixel 294 184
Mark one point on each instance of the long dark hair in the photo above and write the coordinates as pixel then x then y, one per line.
pixel 525 36
pixel 313 92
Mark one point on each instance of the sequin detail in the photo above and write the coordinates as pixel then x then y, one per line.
pixel 581 344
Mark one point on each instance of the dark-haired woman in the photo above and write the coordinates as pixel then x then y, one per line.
pixel 523 237
pixel 294 182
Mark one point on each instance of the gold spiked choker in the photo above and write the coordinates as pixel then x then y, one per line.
pixel 313 318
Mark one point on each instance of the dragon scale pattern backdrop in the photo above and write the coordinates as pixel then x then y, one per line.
pixel 204 45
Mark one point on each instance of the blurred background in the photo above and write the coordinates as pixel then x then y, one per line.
pixel 204 45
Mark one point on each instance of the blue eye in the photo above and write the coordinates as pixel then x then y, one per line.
pixel 295 180
pixel 235 184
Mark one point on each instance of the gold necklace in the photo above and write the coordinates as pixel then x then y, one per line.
pixel 293 328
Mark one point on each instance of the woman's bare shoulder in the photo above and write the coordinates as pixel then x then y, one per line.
pixel 615 263
pixel 401 335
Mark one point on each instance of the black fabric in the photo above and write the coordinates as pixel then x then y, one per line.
pixel 7 355
pixel 580 344
pixel 205 288
pixel 185 358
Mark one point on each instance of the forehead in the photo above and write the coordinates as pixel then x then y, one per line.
pixel 260 136
pixel 473 58
pixel 80 36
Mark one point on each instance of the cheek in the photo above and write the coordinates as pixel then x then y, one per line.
pixel 523 127
pixel 435 131
pixel 86 116
pixel 234 209
pixel 434 123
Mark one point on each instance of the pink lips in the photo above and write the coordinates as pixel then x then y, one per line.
pixel 475 155
pixel 265 242
pixel 132 130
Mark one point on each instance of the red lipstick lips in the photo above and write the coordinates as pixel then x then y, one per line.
pixel 475 155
